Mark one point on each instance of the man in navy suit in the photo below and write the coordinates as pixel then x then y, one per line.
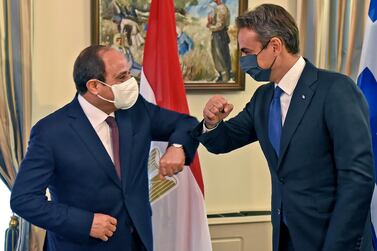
pixel 92 155
pixel 313 128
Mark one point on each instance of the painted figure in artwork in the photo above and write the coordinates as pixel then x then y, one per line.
pixel 218 23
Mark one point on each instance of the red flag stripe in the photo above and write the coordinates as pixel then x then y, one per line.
pixel 161 65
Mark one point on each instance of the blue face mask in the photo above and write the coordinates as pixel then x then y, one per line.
pixel 249 65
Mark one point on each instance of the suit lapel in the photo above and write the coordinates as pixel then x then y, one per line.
pixel 81 125
pixel 126 142
pixel 299 103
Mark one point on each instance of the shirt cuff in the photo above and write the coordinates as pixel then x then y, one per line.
pixel 205 129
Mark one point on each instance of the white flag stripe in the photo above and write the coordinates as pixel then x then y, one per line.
pixel 368 58
pixel 373 209
pixel 146 89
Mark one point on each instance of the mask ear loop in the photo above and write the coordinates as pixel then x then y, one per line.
pixel 264 47
pixel 102 83
pixel 99 96
pixel 273 62
pixel 97 80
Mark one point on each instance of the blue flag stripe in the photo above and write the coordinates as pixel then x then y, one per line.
pixel 368 85
pixel 373 10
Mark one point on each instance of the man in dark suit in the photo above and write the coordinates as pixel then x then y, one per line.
pixel 92 155
pixel 313 128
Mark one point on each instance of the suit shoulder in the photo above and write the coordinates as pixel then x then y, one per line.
pixel 259 95
pixel 338 86
pixel 141 105
pixel 51 120
pixel 261 91
pixel 262 88
pixel 335 80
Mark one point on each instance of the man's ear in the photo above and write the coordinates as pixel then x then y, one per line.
pixel 277 44
pixel 92 86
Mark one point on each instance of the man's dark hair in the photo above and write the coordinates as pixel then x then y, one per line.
pixel 89 65
pixel 270 20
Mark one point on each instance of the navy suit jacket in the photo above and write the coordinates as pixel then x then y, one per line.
pixel 323 180
pixel 66 155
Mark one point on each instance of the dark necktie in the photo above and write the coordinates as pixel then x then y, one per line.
pixel 114 132
pixel 275 121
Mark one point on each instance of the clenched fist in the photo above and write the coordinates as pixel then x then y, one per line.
pixel 216 109
pixel 172 161
pixel 103 226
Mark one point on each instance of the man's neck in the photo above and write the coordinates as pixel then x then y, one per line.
pixel 92 100
pixel 284 64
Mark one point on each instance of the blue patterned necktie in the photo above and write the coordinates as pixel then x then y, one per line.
pixel 275 121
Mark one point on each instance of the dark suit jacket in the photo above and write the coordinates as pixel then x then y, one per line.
pixel 323 180
pixel 66 155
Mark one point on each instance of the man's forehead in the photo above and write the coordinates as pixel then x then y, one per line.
pixel 110 52
pixel 115 61
pixel 112 56
pixel 248 37
pixel 249 34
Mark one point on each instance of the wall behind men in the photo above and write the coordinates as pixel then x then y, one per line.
pixel 233 182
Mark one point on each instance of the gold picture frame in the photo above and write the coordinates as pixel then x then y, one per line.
pixel 202 27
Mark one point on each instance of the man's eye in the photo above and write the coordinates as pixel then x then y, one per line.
pixel 123 78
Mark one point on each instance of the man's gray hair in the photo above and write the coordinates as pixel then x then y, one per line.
pixel 270 20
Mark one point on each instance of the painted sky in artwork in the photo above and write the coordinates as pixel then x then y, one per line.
pixel 205 7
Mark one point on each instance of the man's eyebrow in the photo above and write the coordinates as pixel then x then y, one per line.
pixel 122 74
pixel 245 50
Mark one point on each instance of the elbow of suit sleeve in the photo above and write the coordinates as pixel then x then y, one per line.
pixel 16 204
pixel 197 131
pixel 69 222
pixel 369 183
pixel 184 137
pixel 190 152
pixel 20 200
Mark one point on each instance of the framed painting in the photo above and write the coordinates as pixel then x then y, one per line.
pixel 206 37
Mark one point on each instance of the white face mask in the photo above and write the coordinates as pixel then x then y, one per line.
pixel 125 94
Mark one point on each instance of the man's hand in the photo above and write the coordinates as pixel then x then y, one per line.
pixel 216 109
pixel 172 161
pixel 103 226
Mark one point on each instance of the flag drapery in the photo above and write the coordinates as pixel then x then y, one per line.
pixel 368 84
pixel 179 215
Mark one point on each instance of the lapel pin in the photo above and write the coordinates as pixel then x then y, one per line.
pixel 303 96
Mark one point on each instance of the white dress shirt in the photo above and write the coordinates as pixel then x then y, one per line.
pixel 288 84
pixel 97 119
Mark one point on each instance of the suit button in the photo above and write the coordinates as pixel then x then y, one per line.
pixel 281 180
pixel 278 211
